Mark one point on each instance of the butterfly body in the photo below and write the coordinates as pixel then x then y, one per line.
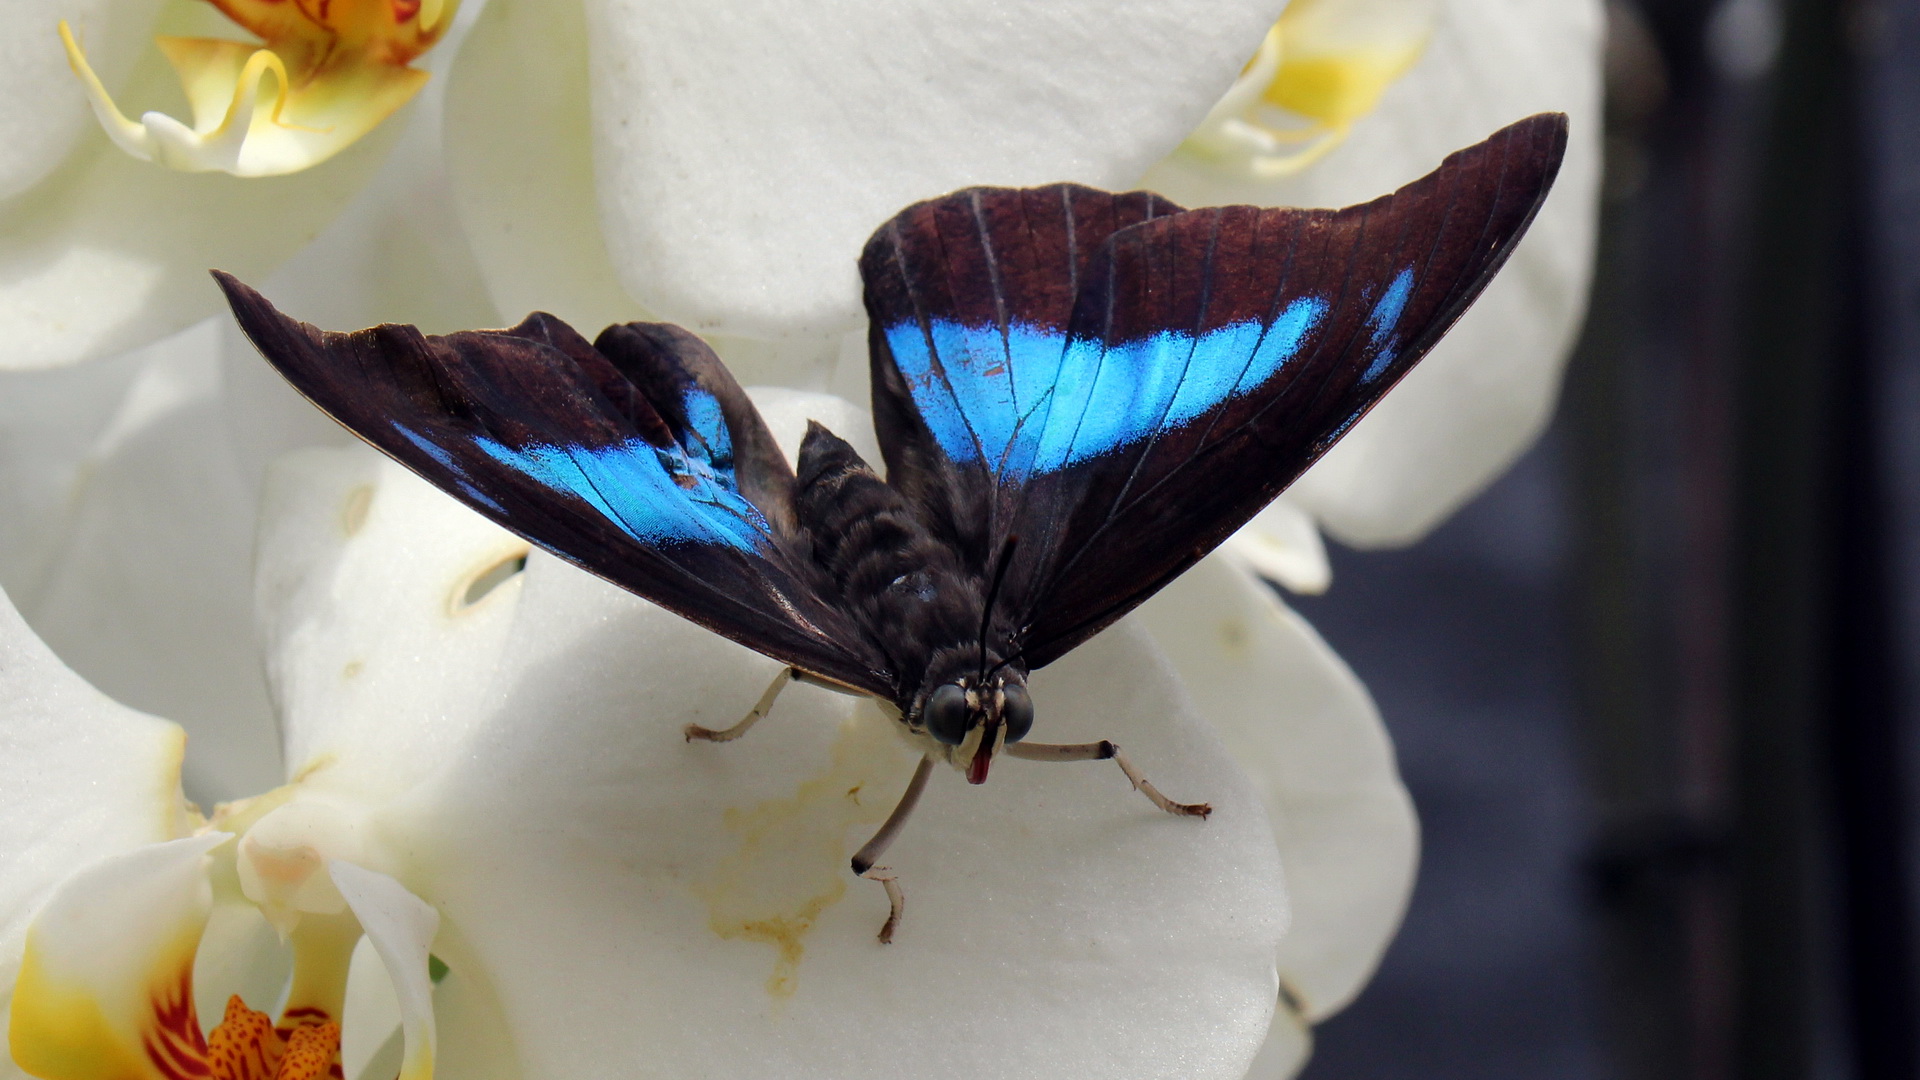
pixel 1077 395
pixel 914 597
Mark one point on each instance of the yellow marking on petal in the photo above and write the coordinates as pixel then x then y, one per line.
pixel 353 515
pixel 326 73
pixel 1333 76
pixel 1322 67
pixel 791 865
pixel 61 1029
pixel 418 1064
pixel 185 817
pixel 125 134
pixel 322 950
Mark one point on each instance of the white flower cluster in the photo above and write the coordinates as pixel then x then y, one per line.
pixel 462 833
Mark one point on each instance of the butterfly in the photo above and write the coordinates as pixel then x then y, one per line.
pixel 1077 395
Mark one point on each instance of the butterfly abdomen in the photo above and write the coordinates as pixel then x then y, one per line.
pixel 903 586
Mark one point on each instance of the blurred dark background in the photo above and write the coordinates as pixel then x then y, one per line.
pixel 1655 692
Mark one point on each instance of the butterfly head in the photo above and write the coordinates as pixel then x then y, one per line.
pixel 974 715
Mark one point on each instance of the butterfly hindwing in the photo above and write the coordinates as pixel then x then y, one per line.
pixel 1208 358
pixel 636 457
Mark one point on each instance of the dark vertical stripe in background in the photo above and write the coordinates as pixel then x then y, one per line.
pixel 1877 671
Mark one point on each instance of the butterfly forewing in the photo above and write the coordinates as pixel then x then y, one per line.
pixel 638 459
pixel 970 297
pixel 1208 358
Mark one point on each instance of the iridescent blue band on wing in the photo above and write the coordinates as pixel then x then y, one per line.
pixel 982 407
pixel 655 495
pixel 1382 320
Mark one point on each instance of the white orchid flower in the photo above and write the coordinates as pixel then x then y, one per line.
pixel 101 252
pixel 324 76
pixel 804 125
pixel 534 221
pixel 1352 98
pixel 485 762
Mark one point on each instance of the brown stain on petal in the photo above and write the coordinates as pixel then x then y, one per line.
pixel 791 862
pixel 1234 637
pixel 353 515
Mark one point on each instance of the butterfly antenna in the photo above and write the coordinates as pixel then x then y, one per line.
pixel 993 594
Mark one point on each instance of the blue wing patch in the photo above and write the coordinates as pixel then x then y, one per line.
pixel 1031 401
pixel 1382 320
pixel 659 496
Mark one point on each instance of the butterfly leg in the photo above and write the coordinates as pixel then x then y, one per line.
pixel 1101 751
pixel 870 852
pixel 760 709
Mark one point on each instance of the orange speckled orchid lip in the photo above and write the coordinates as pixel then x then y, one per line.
pixel 315 35
pixel 329 72
pixel 105 985
pixel 245 1045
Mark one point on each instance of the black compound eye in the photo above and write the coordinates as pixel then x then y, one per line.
pixel 1017 711
pixel 946 714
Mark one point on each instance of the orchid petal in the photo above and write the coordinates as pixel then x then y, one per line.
pixel 41 117
pixel 1485 392
pixel 147 593
pixel 401 927
pixel 81 778
pixel 105 984
pixel 479 1046
pixel 49 422
pixel 1283 544
pixel 370 1018
pixel 107 253
pixel 703 894
pixel 395 254
pixel 727 870
pixel 530 211
pixel 742 155
pixel 386 605
pixel 788 412
pixel 252 117
pixel 241 954
pixel 1289 1044
pixel 1299 721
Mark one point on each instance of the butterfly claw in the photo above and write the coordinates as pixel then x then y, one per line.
pixel 896 900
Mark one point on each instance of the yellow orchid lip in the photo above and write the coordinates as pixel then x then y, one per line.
pixel 1322 66
pixel 327 72
pixel 105 989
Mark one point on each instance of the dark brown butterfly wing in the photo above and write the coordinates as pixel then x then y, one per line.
pixel 636 457
pixel 1206 359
